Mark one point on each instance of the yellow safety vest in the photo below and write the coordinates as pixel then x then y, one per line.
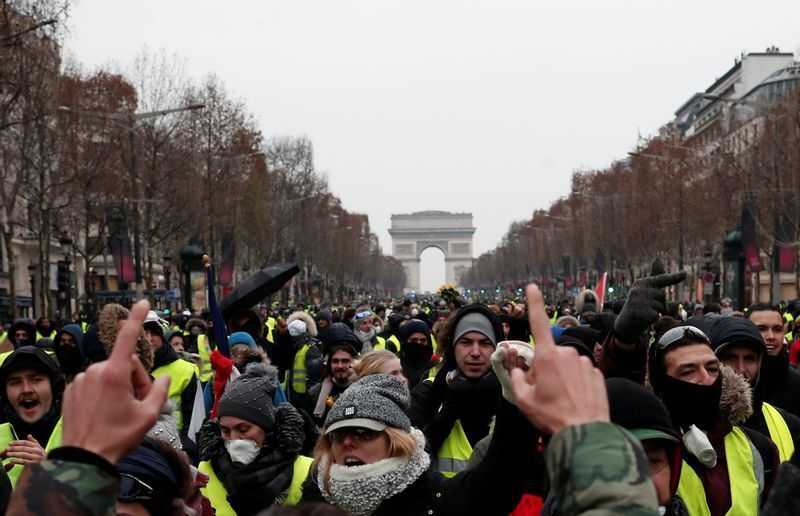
pixel 381 344
pixel 270 323
pixel 7 434
pixel 3 336
pixel 181 373
pixel 745 486
pixel 4 356
pixel 204 349
pixel 218 496
pixel 454 454
pixel 778 431
pixel 299 373
pixel 396 341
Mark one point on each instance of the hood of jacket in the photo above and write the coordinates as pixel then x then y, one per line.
pixel 736 402
pixel 75 331
pixel 199 323
pixel 35 358
pixel 306 318
pixel 246 320
pixel 586 295
pixel 340 334
pixel 22 324
pixel 107 330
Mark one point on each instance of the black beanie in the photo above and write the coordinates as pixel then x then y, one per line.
pixel 249 397
pixel 639 410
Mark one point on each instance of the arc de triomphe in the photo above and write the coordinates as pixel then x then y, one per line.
pixel 449 232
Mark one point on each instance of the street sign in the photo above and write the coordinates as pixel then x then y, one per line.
pixel 709 277
pixel 173 294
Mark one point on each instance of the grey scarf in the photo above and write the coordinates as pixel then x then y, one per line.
pixel 361 489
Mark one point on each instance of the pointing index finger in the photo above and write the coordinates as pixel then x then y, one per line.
pixel 537 317
pixel 128 335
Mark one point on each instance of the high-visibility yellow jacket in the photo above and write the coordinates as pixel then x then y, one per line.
pixel 218 496
pixel 746 474
pixel 7 434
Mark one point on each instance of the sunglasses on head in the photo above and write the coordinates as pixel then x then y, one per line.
pixel 364 314
pixel 132 489
pixel 678 333
pixel 356 432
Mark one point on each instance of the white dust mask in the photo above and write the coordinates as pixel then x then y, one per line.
pixel 242 450
pixel 697 444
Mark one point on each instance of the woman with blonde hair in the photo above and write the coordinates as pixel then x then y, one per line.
pixel 371 461
pixel 380 361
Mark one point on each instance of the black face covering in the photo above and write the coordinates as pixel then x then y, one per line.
pixel 416 353
pixel 690 403
pixel 70 359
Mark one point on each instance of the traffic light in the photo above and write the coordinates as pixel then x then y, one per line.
pixel 63 278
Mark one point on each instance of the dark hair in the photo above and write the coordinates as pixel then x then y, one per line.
pixel 762 307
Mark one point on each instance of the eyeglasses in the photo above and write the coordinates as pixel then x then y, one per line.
pixel 689 333
pixel 133 489
pixel 355 432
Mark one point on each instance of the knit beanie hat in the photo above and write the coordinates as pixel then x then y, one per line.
pixel 474 322
pixel 242 337
pixel 297 328
pixel 638 409
pixel 249 397
pixel 375 402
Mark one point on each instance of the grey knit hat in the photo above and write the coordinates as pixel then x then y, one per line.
pixel 375 402
pixel 474 322
pixel 249 397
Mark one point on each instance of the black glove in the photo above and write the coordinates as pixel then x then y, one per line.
pixel 645 302
pixel 459 396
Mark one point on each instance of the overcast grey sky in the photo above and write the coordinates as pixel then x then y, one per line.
pixel 478 106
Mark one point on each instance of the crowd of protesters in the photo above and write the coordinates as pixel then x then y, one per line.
pixel 642 406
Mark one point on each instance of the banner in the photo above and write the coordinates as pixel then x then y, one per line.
pixel 749 234
pixel 225 276
pixel 119 243
pixel 785 244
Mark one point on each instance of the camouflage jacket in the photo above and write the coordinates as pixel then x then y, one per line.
pixel 599 468
pixel 69 482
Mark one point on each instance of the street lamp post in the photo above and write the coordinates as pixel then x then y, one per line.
pixel 129 121
pixel 166 262
pixel 32 275
pixel 66 249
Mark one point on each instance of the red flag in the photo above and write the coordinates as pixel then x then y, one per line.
pixel 601 291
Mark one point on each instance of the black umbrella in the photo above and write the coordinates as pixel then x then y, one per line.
pixel 258 286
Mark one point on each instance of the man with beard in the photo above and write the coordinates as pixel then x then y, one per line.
pixel 739 345
pixel 32 386
pixel 781 382
pixel 68 347
pixel 340 347
pixel 184 387
pixel 44 328
pixel 727 469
